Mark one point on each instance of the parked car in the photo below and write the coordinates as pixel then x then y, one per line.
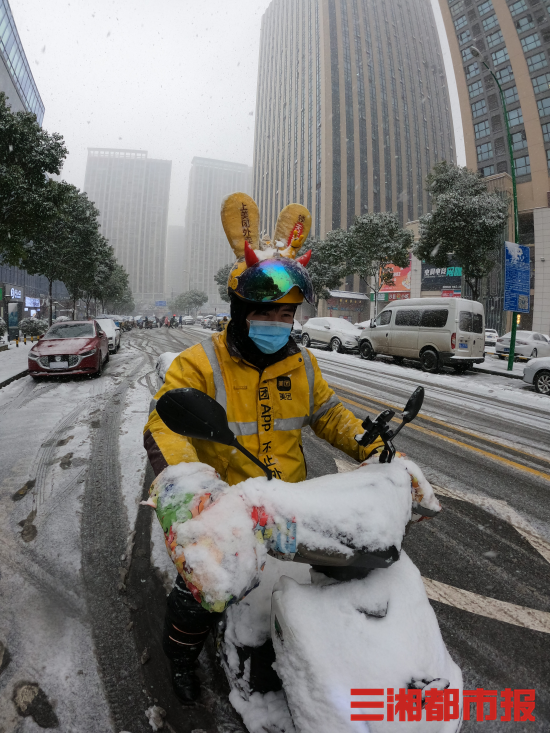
pixel 188 320
pixel 112 331
pixel 491 337
pixel 529 345
pixel 435 331
pixel 206 321
pixel 296 332
pixel 537 373
pixel 335 333
pixel 71 347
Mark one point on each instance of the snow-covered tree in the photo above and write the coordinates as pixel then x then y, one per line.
pixel 3 327
pixel 221 278
pixel 466 224
pixel 372 245
pixel 33 326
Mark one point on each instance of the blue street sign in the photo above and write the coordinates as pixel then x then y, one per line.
pixel 160 303
pixel 517 278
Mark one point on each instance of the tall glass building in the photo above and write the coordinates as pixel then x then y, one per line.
pixel 206 246
pixel 132 193
pixel 352 109
pixel 16 79
pixel 514 40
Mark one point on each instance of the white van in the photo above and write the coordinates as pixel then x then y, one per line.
pixel 435 331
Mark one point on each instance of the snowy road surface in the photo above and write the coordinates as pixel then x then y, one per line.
pixel 84 572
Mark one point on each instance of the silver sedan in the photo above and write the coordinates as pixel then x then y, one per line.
pixel 537 373
pixel 529 344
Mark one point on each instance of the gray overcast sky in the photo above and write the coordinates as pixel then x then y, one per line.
pixel 174 77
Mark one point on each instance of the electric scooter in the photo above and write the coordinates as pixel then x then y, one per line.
pixel 358 635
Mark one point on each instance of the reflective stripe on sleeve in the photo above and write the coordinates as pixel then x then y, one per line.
pixel 328 405
pixel 210 351
pixel 152 405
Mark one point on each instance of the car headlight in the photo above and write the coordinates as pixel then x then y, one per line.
pixel 88 353
pixel 33 357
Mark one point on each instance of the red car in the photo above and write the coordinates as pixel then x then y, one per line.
pixel 70 347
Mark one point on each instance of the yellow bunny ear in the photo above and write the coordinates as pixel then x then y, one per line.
pixel 292 228
pixel 241 222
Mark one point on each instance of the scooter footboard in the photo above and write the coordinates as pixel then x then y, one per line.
pixel 379 632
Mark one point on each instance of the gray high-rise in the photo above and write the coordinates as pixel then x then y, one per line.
pixel 352 109
pixel 132 194
pixel 206 245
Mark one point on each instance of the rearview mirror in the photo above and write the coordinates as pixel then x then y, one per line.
pixel 327 327
pixel 414 403
pixel 194 414
pixel 372 324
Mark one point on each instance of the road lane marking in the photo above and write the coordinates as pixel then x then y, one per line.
pixel 491 608
pixel 442 422
pixel 504 511
pixel 445 438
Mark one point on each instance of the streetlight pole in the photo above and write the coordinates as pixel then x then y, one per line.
pixel 476 53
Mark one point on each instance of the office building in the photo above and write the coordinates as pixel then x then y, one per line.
pixel 20 293
pixel 206 245
pixel 352 109
pixel 177 273
pixel 16 79
pixel 132 193
pixel 514 40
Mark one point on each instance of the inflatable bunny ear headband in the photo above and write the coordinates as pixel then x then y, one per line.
pixel 271 273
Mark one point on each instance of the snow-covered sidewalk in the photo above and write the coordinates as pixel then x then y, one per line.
pixel 493 364
pixel 14 360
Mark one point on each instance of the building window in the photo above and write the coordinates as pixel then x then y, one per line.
pixel 490 22
pixel 530 42
pixel 499 57
pixel 511 95
pixel 515 117
pixel 548 158
pixel 484 152
pixel 466 54
pixel 464 37
pixel 472 70
pixel 544 106
pixel 458 8
pixel 479 108
pixel 475 89
pixel 482 129
pixel 494 39
pixel 489 170
pixel 460 22
pixel 546 132
pixel 504 75
pixel 536 62
pixel 525 24
pixel 518 7
pixel 522 166
pixel 485 7
pixel 519 140
pixel 541 83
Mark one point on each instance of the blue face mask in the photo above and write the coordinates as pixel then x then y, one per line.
pixel 269 336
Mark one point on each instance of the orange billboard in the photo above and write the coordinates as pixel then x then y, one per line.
pixel 401 280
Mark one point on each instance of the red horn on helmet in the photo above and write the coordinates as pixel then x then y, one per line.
pixel 304 259
pixel 250 257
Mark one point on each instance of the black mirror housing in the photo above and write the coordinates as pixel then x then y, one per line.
pixel 414 403
pixel 194 414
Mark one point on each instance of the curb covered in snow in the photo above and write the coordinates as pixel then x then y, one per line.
pixel 495 372
pixel 12 379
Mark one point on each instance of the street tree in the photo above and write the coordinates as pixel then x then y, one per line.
pixel 190 301
pixel 466 225
pixel 372 246
pixel 62 243
pixel 221 278
pixel 27 154
pixel 326 267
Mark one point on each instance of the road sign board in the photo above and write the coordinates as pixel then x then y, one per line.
pixel 160 303
pixel 517 278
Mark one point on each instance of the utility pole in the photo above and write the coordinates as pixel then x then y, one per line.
pixel 476 53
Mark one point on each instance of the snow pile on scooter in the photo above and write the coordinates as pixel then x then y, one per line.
pixel 218 536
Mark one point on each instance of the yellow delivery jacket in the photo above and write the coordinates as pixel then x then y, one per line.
pixel 266 411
